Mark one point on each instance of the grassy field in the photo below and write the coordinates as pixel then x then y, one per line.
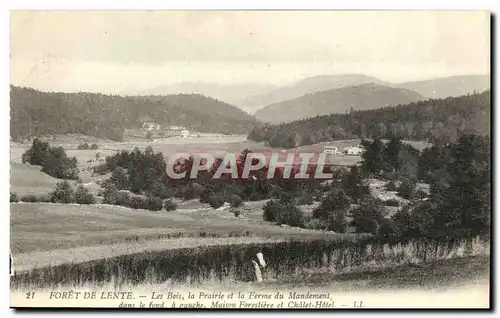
pixel 26 179
pixel 455 283
pixel 39 227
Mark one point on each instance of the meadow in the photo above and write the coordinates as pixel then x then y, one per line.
pixel 79 245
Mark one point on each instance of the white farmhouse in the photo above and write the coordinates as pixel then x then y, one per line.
pixel 331 150
pixel 354 151
pixel 184 133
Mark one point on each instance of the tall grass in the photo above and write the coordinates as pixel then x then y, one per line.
pixel 232 263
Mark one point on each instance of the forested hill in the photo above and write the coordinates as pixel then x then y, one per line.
pixel 36 113
pixel 435 120
pixel 340 100
pixel 449 86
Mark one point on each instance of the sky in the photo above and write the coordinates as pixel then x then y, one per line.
pixel 127 51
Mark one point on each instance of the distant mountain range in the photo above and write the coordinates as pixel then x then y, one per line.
pixel 307 86
pixel 340 100
pixel 231 94
pixel 251 97
pixel 207 107
pixel 449 86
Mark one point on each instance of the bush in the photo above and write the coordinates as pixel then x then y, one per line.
pixel 137 202
pixel 235 201
pixel 53 160
pixel 407 189
pixel 291 215
pixel 368 215
pixel 337 221
pixel 421 194
pixel 98 155
pixel 120 179
pixel 29 198
pixel 155 203
pixel 83 196
pixel 254 196
pixel 169 205
pixel 83 146
pixel 304 199
pixel 271 210
pixel 334 200
pixel 93 146
pixel 392 202
pixel 365 224
pixel 46 198
pixel 63 193
pixel 316 224
pixel 388 229
pixel 114 197
pixel 215 201
pixel 13 197
pixel 235 211
pixel 391 186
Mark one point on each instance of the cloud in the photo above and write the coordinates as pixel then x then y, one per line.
pixel 246 42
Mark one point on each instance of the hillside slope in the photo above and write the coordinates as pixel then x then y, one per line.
pixel 36 113
pixel 229 93
pixel 306 86
pixel 429 120
pixel 342 100
pixel 449 86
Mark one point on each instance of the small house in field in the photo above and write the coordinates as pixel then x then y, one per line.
pixel 331 150
pixel 184 133
pixel 354 151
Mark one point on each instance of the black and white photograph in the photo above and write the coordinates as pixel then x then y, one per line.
pixel 250 159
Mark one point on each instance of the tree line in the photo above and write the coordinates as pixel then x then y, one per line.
pixel 36 113
pixel 435 120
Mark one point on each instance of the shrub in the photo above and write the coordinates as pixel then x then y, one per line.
pixel 316 224
pixel 29 198
pixel 169 205
pixel 388 229
pixel 391 186
pixel 63 193
pixel 215 201
pixel 236 211
pixel 154 203
pixel 137 202
pixel 254 196
pixel 46 198
pixel 120 179
pixel 392 202
pixel 83 146
pixel 291 215
pixel 337 221
pixel 113 196
pixel 334 200
pixel 83 196
pixel 271 210
pixel 421 194
pixel 368 215
pixel 93 146
pixel 304 199
pixel 98 155
pixel 402 218
pixel 53 160
pixel 235 201
pixel 365 224
pixel 13 197
pixel 407 189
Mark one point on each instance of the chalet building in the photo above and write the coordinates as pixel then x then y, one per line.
pixel 331 150
pixel 354 151
pixel 184 133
